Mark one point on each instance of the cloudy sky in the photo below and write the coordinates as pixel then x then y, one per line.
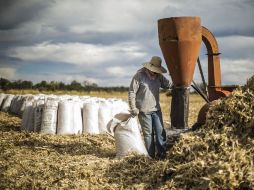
pixel 106 41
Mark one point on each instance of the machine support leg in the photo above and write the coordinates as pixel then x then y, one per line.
pixel 180 107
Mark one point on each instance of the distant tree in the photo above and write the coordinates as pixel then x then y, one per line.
pixel 43 85
pixel 62 86
pixel 53 86
pixel 26 84
pixel 75 85
pixel 4 83
pixel 89 86
pixel 16 84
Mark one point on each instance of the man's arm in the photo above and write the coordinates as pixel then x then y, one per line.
pixel 165 83
pixel 132 95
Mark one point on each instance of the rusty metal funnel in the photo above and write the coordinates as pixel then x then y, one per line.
pixel 180 40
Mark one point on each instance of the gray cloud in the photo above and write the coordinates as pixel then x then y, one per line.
pixel 223 18
pixel 100 26
pixel 7 72
pixel 236 47
pixel 15 12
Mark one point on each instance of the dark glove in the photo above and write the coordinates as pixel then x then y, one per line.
pixel 134 112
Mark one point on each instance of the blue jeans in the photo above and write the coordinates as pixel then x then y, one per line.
pixel 152 126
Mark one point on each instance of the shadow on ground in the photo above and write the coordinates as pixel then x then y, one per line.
pixel 77 146
pixel 9 122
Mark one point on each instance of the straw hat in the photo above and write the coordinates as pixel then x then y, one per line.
pixel 155 65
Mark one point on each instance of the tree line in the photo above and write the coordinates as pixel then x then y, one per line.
pixel 6 84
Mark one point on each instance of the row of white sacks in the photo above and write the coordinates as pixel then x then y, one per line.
pixel 51 114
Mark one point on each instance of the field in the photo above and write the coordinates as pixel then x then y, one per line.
pixel 213 159
pixel 73 162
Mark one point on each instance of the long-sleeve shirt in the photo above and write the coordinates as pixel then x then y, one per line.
pixel 144 92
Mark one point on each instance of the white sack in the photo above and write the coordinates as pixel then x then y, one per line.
pixel 119 106
pixel 127 135
pixel 77 118
pixel 13 104
pixel 28 118
pixel 104 115
pixel 7 103
pixel 65 118
pixel 49 117
pixel 26 100
pixel 2 97
pixel 16 104
pixel 90 118
pixel 20 107
pixel 83 98
pixel 69 118
pixel 38 110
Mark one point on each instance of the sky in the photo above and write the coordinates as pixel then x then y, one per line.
pixel 107 41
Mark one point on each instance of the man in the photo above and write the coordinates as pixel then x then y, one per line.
pixel 144 103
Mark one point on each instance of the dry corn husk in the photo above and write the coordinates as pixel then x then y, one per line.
pixel 220 155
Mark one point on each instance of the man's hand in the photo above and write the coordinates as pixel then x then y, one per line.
pixel 134 112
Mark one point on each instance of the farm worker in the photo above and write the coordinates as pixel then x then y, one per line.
pixel 144 102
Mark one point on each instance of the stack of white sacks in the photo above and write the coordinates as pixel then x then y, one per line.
pixel 68 115
pixel 51 114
